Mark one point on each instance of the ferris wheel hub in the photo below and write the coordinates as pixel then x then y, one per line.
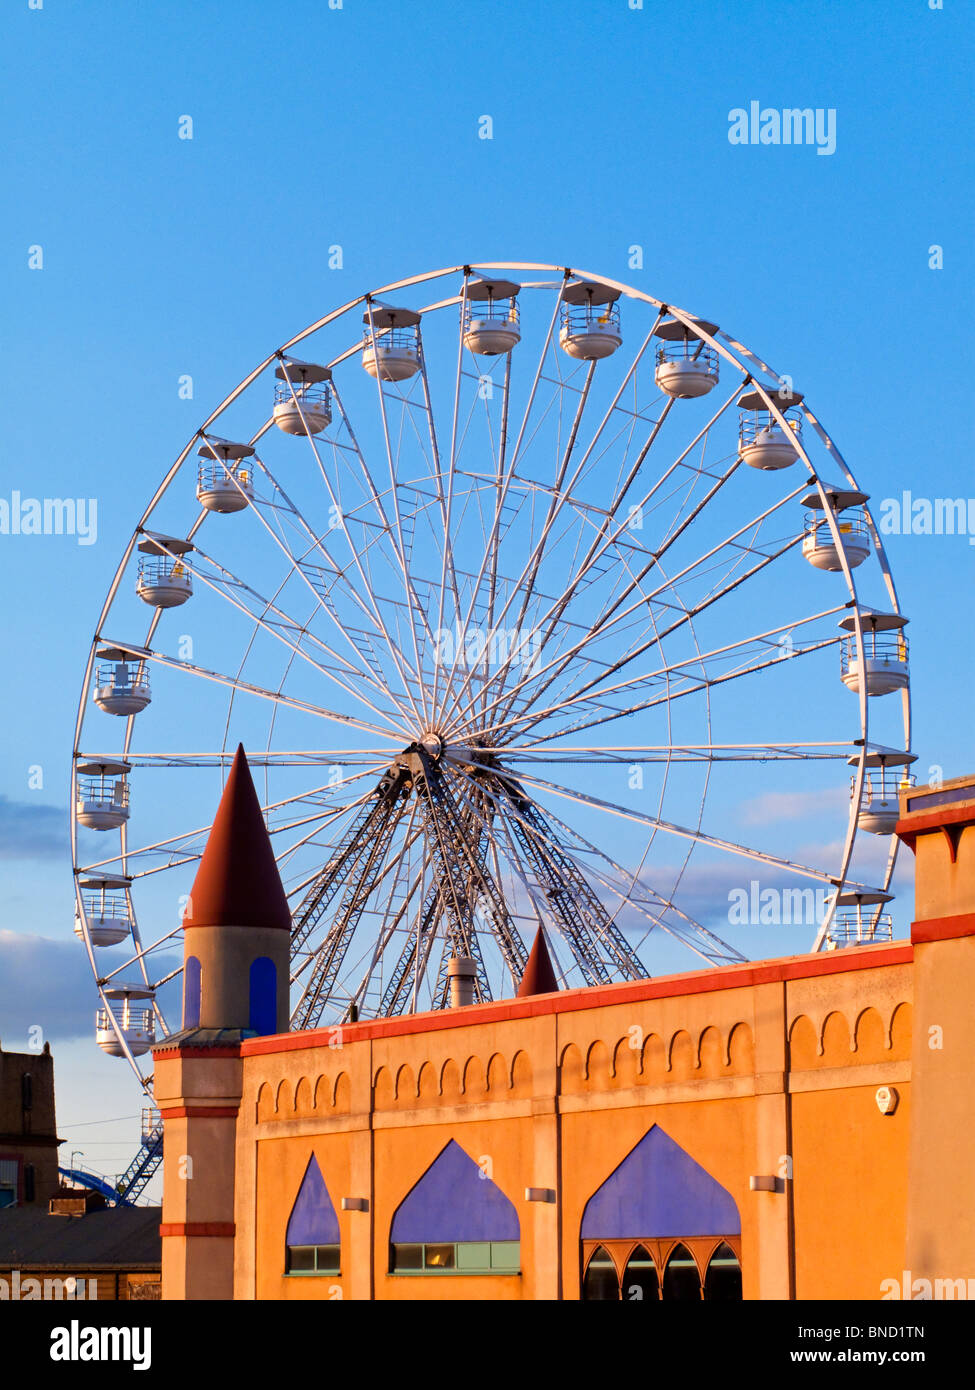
pixel 432 744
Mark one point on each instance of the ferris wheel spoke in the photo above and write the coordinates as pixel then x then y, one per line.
pixel 597 556
pixel 684 832
pixel 225 580
pixel 409 679
pixel 319 824
pixel 607 621
pixel 445 494
pixel 599 713
pixel 314 576
pixel 601 544
pixel 525 583
pixel 401 894
pixel 529 718
pixel 321 889
pixel 660 673
pixel 178 844
pixel 690 753
pixel 596 943
pixel 699 938
pixel 139 957
pixel 332 952
pixel 414 607
pixel 374 758
pixel 248 687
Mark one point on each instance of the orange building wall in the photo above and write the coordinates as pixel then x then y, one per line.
pixel 549 1093
pixel 768 1071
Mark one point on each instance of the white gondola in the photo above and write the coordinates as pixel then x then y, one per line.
pixel 225 481
pixel 164 581
pixel 886 666
pixel 879 809
pixel 819 545
pixel 590 328
pixel 302 397
pixel 120 1021
pixel 687 366
pixel 391 346
pixel 854 924
pixel 107 913
pixel 121 683
pixel 491 321
pixel 102 801
pixel 762 442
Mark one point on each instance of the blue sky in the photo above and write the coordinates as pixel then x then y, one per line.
pixel 359 127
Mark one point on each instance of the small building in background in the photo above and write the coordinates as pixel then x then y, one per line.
pixel 77 1247
pixel 61 1242
pixel 28 1134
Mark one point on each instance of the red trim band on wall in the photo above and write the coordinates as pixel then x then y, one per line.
pixel 943 928
pixel 594 997
pixel 197 1228
pixel 200 1112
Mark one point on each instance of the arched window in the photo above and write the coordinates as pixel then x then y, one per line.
pixel 601 1281
pixel 722 1282
pixel 640 1277
pixel 681 1277
pixel 192 981
pixel 455 1220
pixel 312 1239
pixel 264 996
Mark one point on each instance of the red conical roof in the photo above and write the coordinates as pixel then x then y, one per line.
pixel 539 976
pixel 237 883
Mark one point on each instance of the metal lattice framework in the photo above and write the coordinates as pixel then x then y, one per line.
pixel 511 640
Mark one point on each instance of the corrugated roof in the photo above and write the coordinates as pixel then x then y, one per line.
pixel 125 1237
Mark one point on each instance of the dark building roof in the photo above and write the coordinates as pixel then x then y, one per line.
pixel 116 1237
pixel 539 976
pixel 237 883
pixel 205 1037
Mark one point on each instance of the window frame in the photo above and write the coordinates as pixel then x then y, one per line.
pixel 315 1273
pixel 454 1269
pixel 18 1188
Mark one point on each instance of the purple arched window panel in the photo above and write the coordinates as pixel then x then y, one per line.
pixel 192 984
pixel 454 1201
pixel 313 1220
pixel 659 1191
pixel 264 996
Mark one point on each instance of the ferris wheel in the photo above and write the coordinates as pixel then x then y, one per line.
pixel 528 595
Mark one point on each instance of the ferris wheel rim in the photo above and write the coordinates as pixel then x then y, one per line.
pixel 726 349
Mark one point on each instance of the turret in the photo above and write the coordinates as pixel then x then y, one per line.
pixel 539 976
pixel 237 925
